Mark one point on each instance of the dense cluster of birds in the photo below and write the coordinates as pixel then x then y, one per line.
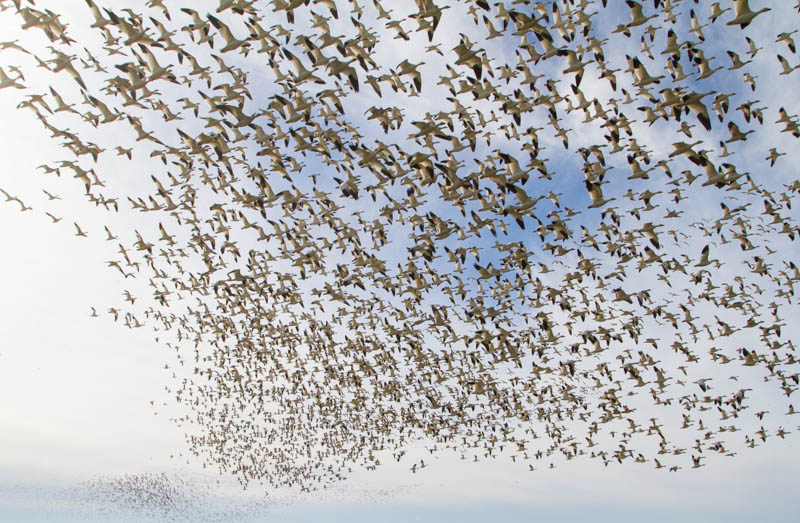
pixel 456 223
pixel 160 495
pixel 163 497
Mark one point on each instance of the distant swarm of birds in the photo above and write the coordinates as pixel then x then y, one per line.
pixel 160 495
pixel 164 497
pixel 494 250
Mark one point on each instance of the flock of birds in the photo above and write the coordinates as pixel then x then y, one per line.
pixel 179 497
pixel 162 497
pixel 490 248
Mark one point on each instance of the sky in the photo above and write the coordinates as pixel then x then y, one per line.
pixel 89 403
